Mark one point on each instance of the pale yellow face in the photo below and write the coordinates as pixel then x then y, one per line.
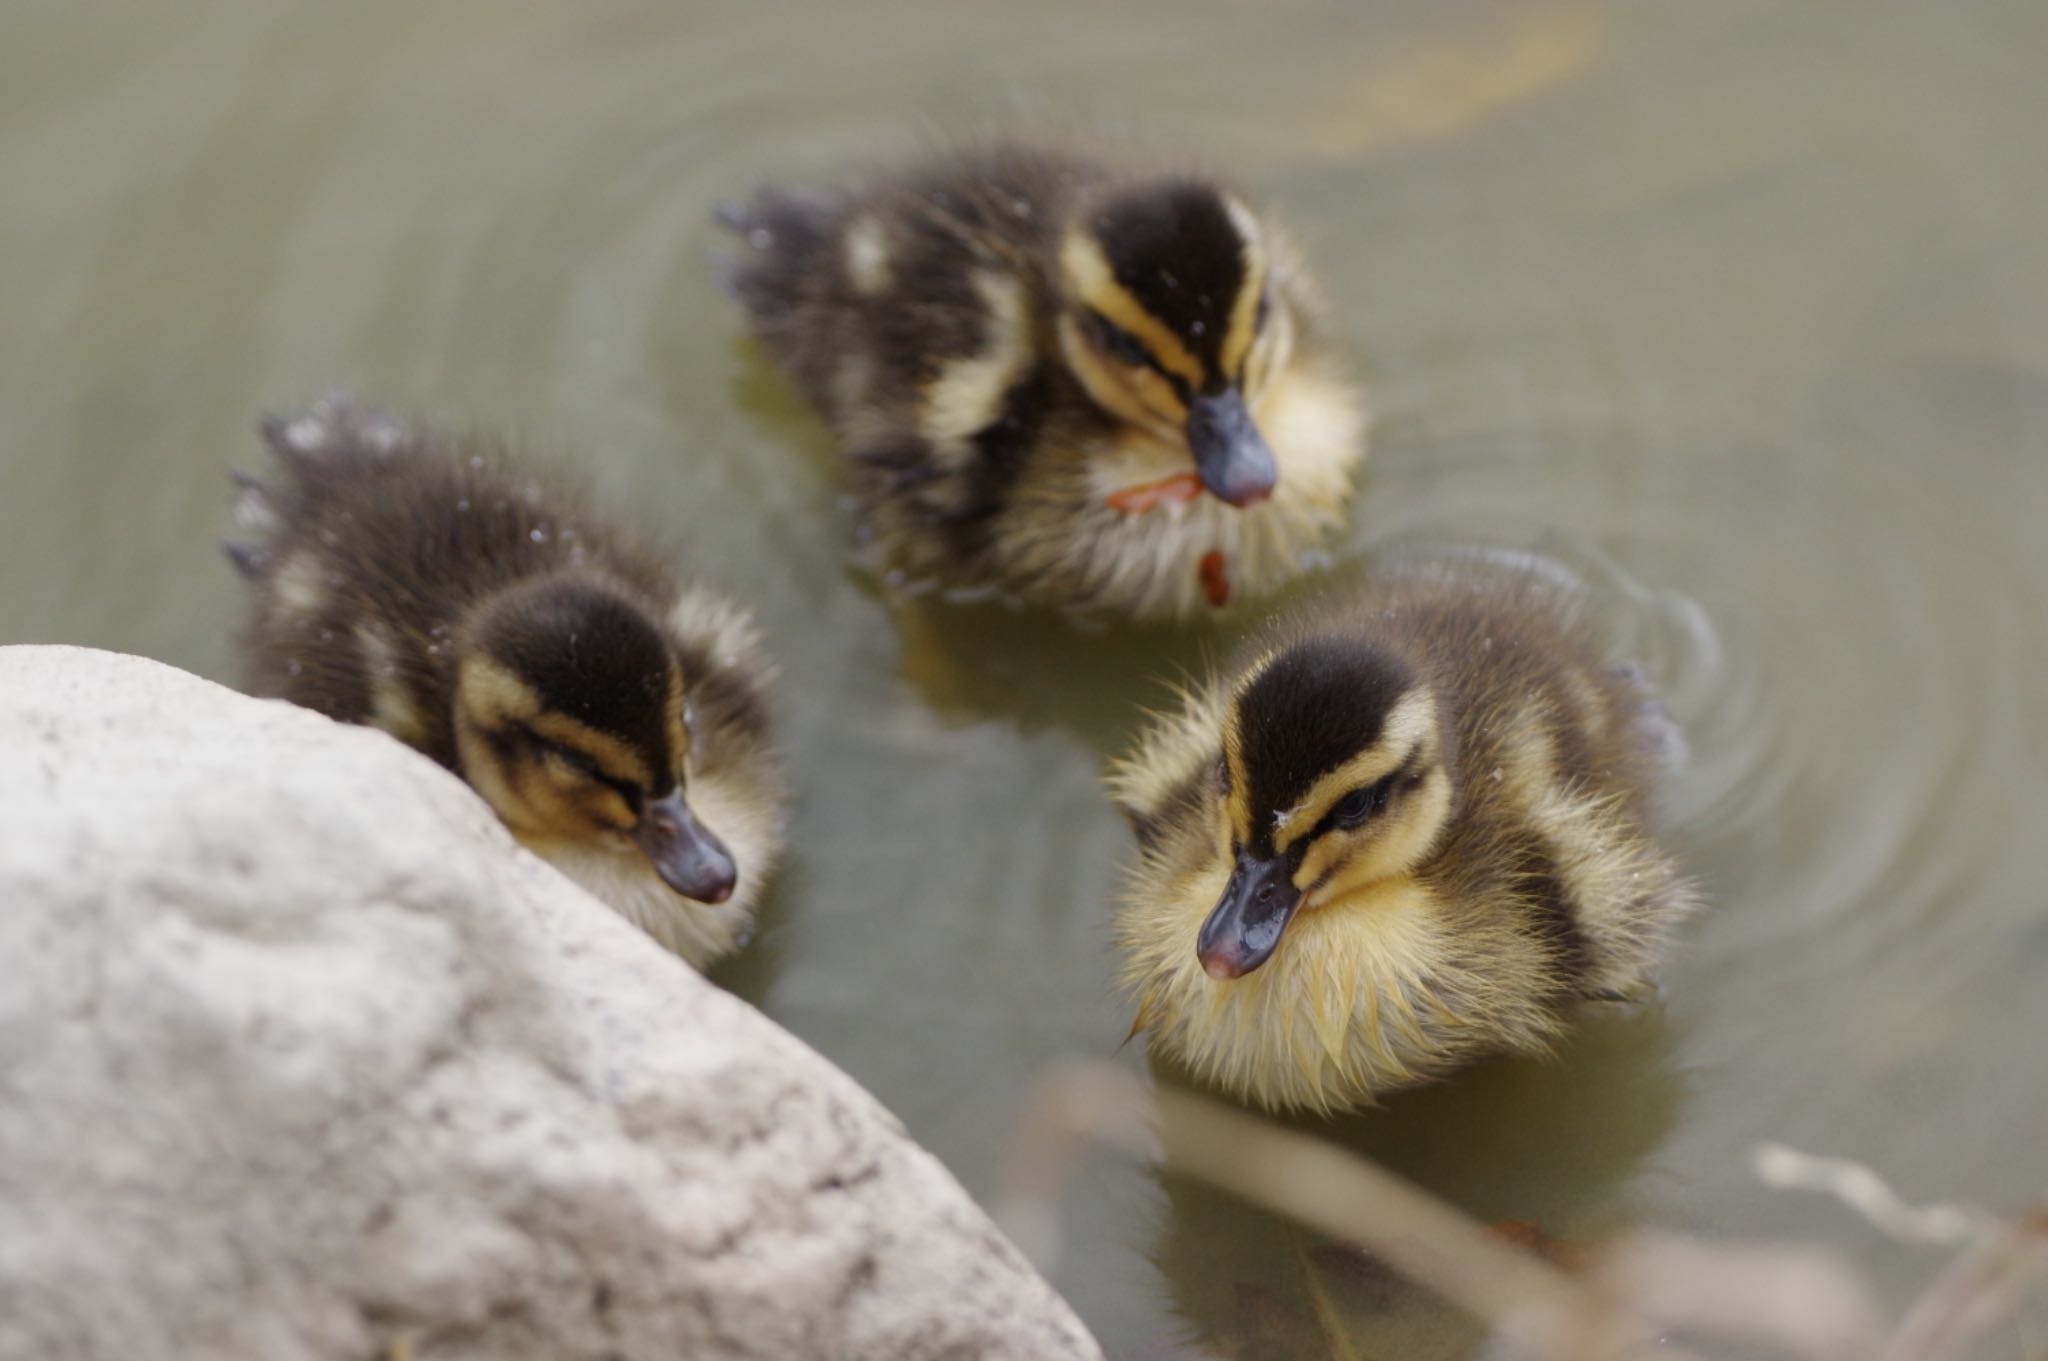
pixel 544 772
pixel 1371 819
pixel 1136 367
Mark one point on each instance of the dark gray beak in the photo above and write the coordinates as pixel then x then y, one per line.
pixel 1244 928
pixel 685 854
pixel 1230 453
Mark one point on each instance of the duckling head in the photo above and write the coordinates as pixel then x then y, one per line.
pixel 570 721
pixel 1168 321
pixel 1334 779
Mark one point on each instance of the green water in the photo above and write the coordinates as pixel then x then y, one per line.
pixel 1739 309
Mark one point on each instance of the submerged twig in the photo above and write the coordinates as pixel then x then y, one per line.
pixel 1983 1287
pixel 1941 1223
pixel 1530 1303
pixel 1798 1299
pixel 2000 1265
pixel 1804 1301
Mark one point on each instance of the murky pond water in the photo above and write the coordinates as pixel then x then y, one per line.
pixel 1740 310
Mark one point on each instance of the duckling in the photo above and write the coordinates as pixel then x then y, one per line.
pixel 614 718
pixel 1407 830
pixel 1058 380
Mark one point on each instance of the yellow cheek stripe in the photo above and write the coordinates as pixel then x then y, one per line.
pixel 604 807
pixel 1094 283
pixel 1149 405
pixel 481 769
pixel 1362 769
pixel 492 695
pixel 1406 728
pixel 1379 850
pixel 539 796
pixel 1235 807
pixel 559 802
pixel 1410 722
pixel 1324 795
pixel 1328 850
pixel 613 757
pixel 1244 310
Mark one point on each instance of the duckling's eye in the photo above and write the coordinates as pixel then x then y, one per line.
pixel 1121 344
pixel 586 765
pixel 580 762
pixel 1259 317
pixel 1361 804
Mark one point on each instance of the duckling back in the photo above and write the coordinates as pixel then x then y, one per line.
pixel 911 311
pixel 1559 755
pixel 370 542
pixel 867 294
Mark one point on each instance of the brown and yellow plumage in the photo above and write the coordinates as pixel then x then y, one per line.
pixel 612 716
pixel 1051 378
pixel 1408 829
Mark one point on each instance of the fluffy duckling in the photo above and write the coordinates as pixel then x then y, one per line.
pixel 1407 830
pixel 614 718
pixel 1050 378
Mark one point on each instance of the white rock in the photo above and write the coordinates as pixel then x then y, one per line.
pixel 301 1057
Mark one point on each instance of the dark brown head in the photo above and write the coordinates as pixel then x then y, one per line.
pixel 1171 323
pixel 1334 777
pixel 570 721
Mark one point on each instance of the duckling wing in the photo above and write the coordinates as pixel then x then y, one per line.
pixel 916 316
pixel 783 273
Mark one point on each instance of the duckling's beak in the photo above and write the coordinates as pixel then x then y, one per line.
pixel 1244 928
pixel 685 854
pixel 1231 455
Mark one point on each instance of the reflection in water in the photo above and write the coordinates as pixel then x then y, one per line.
pixel 751 973
pixel 1738 311
pixel 1552 1141
pixel 1040 669
pixel 1554 1144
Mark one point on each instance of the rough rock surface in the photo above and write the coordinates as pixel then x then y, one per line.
pixel 301 1057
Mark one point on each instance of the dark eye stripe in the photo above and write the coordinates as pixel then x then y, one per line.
pixel 1130 350
pixel 624 789
pixel 1118 341
pixel 1374 800
pixel 586 764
